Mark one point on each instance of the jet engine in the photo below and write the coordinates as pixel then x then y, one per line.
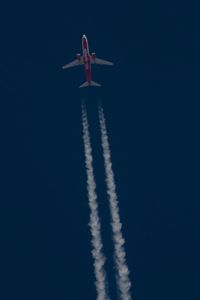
pixel 78 56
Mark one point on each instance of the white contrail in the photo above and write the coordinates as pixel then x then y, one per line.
pixel 95 226
pixel 122 275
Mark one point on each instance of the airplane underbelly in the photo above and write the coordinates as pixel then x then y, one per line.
pixel 88 69
pixel 88 74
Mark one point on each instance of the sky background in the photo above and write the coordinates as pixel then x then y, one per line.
pixel 150 98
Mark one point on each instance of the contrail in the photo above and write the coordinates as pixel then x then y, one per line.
pixel 122 276
pixel 94 224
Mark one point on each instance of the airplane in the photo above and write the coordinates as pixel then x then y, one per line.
pixel 87 59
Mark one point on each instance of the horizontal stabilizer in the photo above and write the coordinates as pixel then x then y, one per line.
pixel 91 83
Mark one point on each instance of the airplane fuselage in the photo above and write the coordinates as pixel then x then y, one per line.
pixel 86 59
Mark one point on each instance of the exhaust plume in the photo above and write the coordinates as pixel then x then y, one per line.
pixel 94 223
pixel 122 270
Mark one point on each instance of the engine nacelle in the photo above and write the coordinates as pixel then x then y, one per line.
pixel 78 56
pixel 94 55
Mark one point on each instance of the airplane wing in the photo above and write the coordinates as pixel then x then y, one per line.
pixel 74 63
pixel 99 61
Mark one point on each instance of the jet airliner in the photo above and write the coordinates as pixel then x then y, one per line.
pixel 87 59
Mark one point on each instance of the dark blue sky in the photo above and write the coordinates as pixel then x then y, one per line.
pixel 150 99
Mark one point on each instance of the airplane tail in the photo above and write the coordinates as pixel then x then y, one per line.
pixel 91 83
